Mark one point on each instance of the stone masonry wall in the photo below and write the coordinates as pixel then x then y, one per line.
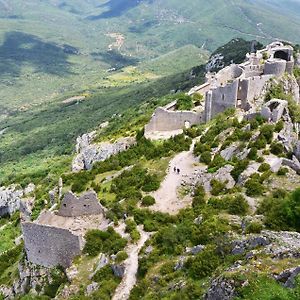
pixel 221 98
pixel 87 204
pixel 50 246
pixel 163 120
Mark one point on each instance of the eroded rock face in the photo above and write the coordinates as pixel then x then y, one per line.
pixel 88 153
pixel 10 199
pixel 202 177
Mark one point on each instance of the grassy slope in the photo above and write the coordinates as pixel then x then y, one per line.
pixel 149 30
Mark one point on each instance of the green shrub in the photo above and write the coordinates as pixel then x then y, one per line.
pixel 253 187
pixel 260 142
pixel 276 148
pixel 58 278
pixel 254 227
pixel 282 171
pixel 238 205
pixel 252 154
pixel 260 159
pixel 279 126
pixel 218 187
pixel 264 167
pixel 130 225
pixel 121 256
pixel 108 242
pixel 199 197
pixel 184 102
pixel 239 168
pixel 217 162
pixel 151 183
pixel 200 148
pixel 206 157
pixel 148 201
pixel 203 264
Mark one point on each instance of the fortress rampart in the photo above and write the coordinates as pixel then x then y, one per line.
pixel 233 86
pixel 55 238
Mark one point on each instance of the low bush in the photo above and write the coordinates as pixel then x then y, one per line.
pixel 199 198
pixel 276 148
pixel 121 256
pixel 239 168
pixel 108 242
pixel 252 153
pixel 148 201
pixel 254 227
pixel 203 264
pixel 206 157
pixel 264 167
pixel 253 187
pixel 282 171
pixel 184 102
pixel 218 187
pixel 279 126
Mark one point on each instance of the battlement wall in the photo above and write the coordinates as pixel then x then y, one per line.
pixel 163 120
pixel 221 98
pixel 87 204
pixel 50 246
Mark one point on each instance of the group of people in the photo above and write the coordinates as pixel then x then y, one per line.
pixel 176 170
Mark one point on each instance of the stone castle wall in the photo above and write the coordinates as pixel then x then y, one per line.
pixel 87 204
pixel 220 99
pixel 164 120
pixel 50 246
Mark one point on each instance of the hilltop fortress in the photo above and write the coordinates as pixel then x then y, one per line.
pixel 235 86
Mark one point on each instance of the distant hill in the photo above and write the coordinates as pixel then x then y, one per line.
pixel 50 48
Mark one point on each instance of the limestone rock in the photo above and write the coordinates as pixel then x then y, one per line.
pixel 29 189
pixel 180 263
pixel 252 168
pixel 274 110
pixel 10 199
pixel 119 270
pixel 194 250
pixel 221 289
pixel 287 277
pixel 88 153
pixel 294 164
pixel 229 152
pixel 91 288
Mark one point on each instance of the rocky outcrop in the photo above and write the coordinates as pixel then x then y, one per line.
pixel 202 177
pixel 221 289
pixel 241 246
pixel 287 277
pixel 274 110
pixel 88 153
pixel 31 277
pixel 10 198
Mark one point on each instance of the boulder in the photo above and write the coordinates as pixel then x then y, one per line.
pixel 294 164
pixel 194 250
pixel 229 152
pixel 252 168
pixel 118 270
pixel 91 288
pixel 287 277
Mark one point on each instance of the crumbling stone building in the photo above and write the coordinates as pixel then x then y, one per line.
pixel 235 86
pixel 55 238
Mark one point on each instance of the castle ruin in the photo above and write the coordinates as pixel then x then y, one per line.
pixel 235 86
pixel 55 238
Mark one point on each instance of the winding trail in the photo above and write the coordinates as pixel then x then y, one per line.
pixel 167 198
pixel 131 267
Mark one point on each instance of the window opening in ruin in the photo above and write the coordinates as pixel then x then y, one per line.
pixel 65 205
pixel 223 97
pixel 282 55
